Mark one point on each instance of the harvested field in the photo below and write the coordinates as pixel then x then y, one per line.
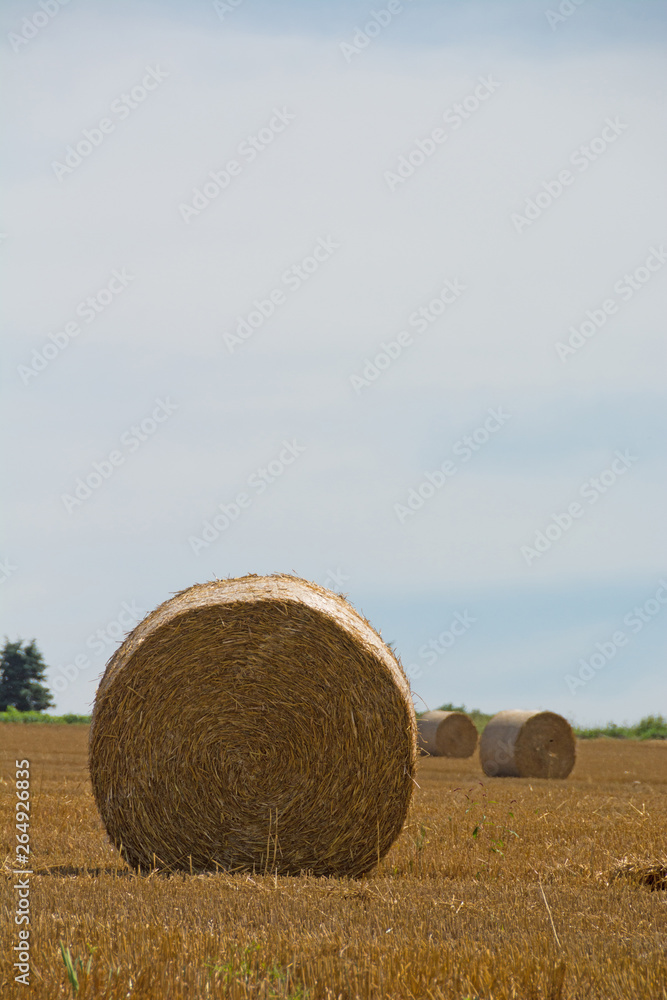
pixel 497 888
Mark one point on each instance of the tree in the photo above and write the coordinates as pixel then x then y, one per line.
pixel 21 671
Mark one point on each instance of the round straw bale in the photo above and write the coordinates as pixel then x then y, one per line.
pixel 447 734
pixel 518 744
pixel 257 723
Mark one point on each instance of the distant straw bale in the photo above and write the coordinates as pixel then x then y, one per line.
pixel 522 744
pixel 447 734
pixel 254 723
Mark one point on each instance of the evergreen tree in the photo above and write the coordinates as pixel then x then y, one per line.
pixel 21 671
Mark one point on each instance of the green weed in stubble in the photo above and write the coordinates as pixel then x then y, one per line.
pixel 498 833
pixel 421 840
pixel 247 970
pixel 74 968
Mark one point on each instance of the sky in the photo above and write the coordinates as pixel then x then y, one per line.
pixel 372 294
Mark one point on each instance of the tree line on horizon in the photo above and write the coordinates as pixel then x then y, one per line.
pixel 24 697
pixel 22 676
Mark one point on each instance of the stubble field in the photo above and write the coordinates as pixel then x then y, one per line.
pixel 496 889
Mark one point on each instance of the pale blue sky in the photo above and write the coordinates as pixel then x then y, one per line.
pixel 324 178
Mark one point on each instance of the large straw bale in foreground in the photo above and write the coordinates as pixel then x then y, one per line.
pixel 518 744
pixel 258 722
pixel 447 734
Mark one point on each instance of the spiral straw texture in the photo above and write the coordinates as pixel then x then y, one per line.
pixel 254 723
